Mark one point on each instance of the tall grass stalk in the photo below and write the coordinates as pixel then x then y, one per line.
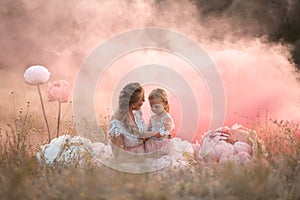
pixel 278 177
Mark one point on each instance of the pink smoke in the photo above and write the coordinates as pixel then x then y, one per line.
pixel 258 80
pixel 258 76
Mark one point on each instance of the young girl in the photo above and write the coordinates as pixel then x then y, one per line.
pixel 161 123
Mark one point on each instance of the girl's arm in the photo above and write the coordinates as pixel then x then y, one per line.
pixel 167 128
pixel 149 133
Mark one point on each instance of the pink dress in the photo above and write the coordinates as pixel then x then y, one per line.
pixel 164 127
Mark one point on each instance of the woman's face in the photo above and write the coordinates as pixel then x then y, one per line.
pixel 139 103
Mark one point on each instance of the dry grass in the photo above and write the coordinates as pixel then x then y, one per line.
pixel 22 177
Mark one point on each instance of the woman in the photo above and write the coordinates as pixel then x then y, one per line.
pixel 127 123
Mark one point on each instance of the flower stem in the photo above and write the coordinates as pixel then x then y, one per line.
pixel 58 118
pixel 14 104
pixel 44 113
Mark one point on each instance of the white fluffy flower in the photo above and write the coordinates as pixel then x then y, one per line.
pixel 242 147
pixel 36 75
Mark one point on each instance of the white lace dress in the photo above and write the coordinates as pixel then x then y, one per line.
pixel 132 143
pixel 164 127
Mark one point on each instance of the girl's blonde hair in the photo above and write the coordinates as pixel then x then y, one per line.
pixel 160 93
pixel 129 95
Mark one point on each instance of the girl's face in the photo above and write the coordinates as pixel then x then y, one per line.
pixel 157 105
pixel 139 103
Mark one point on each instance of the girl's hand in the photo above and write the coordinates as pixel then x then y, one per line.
pixel 158 135
pixel 147 134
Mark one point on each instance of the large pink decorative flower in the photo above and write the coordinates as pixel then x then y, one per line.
pixel 36 75
pixel 221 149
pixel 58 91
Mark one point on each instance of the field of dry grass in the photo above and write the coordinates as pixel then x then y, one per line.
pixel 22 177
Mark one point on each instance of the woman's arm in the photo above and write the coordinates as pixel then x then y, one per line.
pixel 117 145
pixel 118 140
pixel 148 134
pixel 115 134
pixel 149 125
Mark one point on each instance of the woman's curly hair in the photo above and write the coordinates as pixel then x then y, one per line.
pixel 129 95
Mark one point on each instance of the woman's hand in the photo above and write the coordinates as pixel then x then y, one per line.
pixel 148 134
